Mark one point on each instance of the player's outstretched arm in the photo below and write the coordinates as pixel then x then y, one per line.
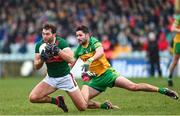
pixel 99 53
pixel 38 63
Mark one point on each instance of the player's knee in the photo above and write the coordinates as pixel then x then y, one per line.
pixel 33 98
pixel 82 107
pixel 133 87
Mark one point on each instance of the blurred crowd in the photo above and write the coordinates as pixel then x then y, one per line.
pixel 123 26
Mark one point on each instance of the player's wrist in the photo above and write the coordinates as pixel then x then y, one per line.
pixel 90 60
pixel 59 52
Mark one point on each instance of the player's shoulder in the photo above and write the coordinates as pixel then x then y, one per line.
pixel 60 39
pixel 93 40
pixel 39 43
pixel 61 42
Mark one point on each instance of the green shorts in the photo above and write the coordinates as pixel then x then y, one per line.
pixel 107 79
pixel 176 48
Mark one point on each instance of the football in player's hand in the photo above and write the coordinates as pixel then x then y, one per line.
pixel 42 47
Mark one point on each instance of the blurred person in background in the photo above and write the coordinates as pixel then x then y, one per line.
pixel 176 47
pixel 101 74
pixel 153 54
pixel 56 55
pixel 111 17
pixel 106 44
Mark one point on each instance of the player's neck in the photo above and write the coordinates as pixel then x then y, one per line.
pixel 85 45
pixel 53 40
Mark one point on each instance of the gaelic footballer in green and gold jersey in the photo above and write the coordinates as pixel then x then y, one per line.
pixel 98 66
pixel 92 53
pixel 176 26
pixel 176 47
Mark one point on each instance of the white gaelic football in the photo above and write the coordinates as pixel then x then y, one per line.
pixel 42 47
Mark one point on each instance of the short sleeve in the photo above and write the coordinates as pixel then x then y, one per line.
pixel 97 45
pixel 37 47
pixel 63 44
pixel 76 53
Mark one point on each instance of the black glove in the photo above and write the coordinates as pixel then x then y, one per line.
pixel 52 49
pixel 44 56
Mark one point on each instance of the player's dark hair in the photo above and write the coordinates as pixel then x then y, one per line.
pixel 49 26
pixel 82 28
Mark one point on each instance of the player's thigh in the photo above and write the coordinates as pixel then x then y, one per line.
pixel 176 58
pixel 124 83
pixel 176 48
pixel 78 99
pixel 89 92
pixel 42 89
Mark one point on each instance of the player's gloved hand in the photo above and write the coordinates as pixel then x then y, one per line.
pixel 52 49
pixel 44 56
pixel 86 76
pixel 85 66
pixel 55 50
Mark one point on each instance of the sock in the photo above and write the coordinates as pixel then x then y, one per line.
pixel 162 90
pixel 170 76
pixel 53 100
pixel 104 106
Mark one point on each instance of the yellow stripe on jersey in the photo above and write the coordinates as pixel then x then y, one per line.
pixel 98 66
pixel 177 37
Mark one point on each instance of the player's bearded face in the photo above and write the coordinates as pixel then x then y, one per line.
pixel 81 37
pixel 47 35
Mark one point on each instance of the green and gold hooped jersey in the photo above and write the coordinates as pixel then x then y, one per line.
pixel 98 66
pixel 177 24
pixel 56 66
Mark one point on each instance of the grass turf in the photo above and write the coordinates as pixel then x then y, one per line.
pixel 14 99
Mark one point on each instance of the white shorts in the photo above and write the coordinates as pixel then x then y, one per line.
pixel 66 83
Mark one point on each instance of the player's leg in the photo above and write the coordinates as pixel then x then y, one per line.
pixel 89 93
pixel 127 84
pixel 40 93
pixel 94 87
pixel 78 99
pixel 69 84
pixel 171 69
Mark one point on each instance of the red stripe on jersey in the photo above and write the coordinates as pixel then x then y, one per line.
pixel 55 59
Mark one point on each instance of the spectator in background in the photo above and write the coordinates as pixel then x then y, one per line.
pixel 106 44
pixel 153 54
pixel 23 47
pixel 6 47
pixel 110 17
pixel 162 42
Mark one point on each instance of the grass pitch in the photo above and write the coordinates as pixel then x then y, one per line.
pixel 14 100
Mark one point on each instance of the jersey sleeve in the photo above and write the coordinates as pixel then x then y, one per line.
pixel 96 43
pixel 76 53
pixel 63 44
pixel 37 47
